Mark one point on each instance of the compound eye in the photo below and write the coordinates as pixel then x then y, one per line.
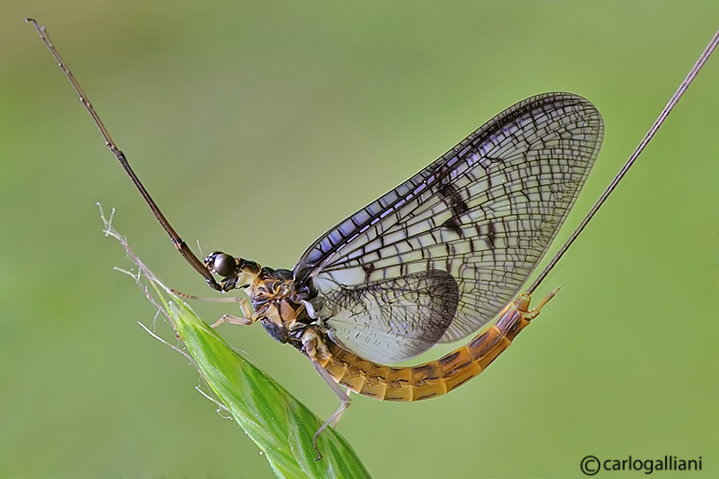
pixel 224 264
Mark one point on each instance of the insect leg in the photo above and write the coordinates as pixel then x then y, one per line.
pixel 226 318
pixel 225 299
pixel 248 318
pixel 342 393
pixel 180 245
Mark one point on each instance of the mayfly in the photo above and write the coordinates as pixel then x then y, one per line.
pixel 432 261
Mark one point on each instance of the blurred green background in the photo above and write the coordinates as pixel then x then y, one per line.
pixel 259 125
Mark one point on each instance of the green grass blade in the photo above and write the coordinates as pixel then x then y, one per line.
pixel 279 424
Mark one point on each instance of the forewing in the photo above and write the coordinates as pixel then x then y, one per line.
pixel 485 212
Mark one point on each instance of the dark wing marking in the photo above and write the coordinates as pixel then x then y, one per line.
pixel 485 213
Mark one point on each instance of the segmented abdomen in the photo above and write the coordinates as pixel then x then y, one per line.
pixel 434 378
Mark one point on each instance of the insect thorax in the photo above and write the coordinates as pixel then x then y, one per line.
pixel 277 307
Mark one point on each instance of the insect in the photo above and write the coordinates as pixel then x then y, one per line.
pixel 432 261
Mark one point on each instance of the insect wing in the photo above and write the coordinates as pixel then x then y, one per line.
pixel 439 256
